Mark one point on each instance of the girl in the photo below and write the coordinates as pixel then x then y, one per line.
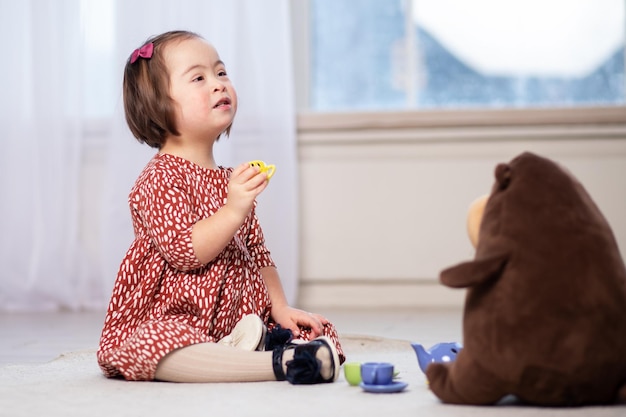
pixel 197 297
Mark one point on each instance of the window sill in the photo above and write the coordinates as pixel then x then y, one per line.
pixel 461 125
pixel 309 122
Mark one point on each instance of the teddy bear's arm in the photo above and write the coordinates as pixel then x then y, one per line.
pixel 469 274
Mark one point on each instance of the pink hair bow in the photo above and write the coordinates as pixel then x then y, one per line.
pixel 143 52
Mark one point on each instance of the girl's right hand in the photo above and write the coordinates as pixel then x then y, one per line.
pixel 245 184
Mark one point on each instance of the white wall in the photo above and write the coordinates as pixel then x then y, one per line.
pixel 383 210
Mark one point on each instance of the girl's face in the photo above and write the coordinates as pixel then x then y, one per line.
pixel 205 99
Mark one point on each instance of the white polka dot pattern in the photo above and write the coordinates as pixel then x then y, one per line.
pixel 164 298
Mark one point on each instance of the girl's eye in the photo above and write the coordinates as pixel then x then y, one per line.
pixel 221 73
pixel 198 78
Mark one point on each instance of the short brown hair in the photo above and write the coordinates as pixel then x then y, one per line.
pixel 148 107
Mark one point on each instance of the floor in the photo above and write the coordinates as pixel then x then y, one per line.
pixel 33 383
pixel 41 337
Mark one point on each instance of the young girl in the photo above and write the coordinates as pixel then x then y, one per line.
pixel 197 297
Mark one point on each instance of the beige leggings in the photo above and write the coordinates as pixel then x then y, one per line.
pixel 212 362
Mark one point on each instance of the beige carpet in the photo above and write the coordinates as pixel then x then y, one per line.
pixel 72 385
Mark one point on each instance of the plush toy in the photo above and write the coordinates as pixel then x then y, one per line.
pixel 545 313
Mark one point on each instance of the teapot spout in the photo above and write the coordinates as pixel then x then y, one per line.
pixel 423 357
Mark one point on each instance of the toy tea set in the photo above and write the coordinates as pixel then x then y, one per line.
pixel 378 377
pixel 381 377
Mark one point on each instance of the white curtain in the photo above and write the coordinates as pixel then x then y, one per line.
pixel 65 223
pixel 40 255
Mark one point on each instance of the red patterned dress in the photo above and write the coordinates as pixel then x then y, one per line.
pixel 164 298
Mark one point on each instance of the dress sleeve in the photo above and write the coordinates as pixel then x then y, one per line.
pixel 168 217
pixel 256 243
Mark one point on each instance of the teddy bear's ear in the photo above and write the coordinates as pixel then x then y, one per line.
pixel 469 274
pixel 503 176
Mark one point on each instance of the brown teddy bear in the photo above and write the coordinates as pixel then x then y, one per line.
pixel 545 313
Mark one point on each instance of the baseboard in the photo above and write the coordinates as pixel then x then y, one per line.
pixel 321 294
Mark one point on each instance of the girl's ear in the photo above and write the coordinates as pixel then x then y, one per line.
pixel 469 274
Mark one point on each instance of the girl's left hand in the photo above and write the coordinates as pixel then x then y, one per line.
pixel 293 318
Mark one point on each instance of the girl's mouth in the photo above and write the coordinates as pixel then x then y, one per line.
pixel 223 103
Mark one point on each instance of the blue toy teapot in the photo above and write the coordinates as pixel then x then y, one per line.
pixel 441 352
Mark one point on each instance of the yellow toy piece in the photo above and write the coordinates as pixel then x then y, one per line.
pixel 268 169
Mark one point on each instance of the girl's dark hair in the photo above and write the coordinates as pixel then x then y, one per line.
pixel 148 107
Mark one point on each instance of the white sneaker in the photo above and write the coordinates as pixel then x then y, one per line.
pixel 248 334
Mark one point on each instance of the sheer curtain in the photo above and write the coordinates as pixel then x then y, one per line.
pixel 46 193
pixel 40 107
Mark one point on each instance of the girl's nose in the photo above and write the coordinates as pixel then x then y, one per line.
pixel 218 85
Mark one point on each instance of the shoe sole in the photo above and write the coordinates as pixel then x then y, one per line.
pixel 248 333
pixel 334 354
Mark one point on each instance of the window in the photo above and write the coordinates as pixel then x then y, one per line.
pixel 371 55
